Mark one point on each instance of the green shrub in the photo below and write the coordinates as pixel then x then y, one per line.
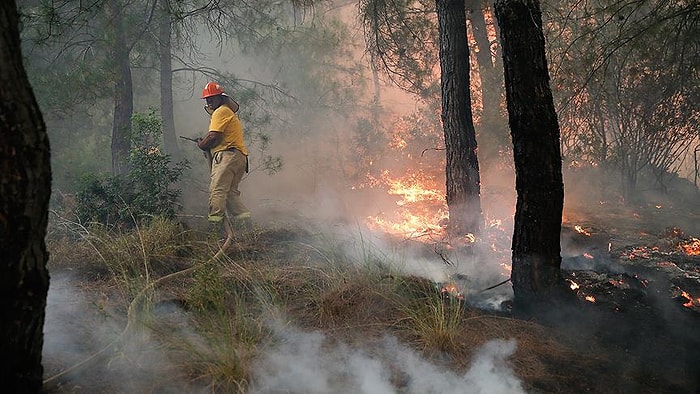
pixel 145 191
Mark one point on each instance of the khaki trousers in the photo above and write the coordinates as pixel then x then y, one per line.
pixel 227 170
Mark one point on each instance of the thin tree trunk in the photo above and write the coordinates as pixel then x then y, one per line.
pixel 462 166
pixel 534 129
pixel 25 187
pixel 123 92
pixel 491 83
pixel 166 84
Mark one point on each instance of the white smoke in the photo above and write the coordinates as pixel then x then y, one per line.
pixel 311 363
pixel 472 271
pixel 77 328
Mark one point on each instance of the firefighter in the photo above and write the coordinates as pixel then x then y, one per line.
pixel 228 159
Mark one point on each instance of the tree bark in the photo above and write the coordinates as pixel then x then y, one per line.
pixel 491 83
pixel 534 129
pixel 166 84
pixel 25 187
pixel 462 166
pixel 123 91
pixel 493 130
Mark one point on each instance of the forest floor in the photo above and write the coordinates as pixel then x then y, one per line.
pixel 634 327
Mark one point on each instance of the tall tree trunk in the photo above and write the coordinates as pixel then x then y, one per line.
pixel 491 82
pixel 166 83
pixel 493 124
pixel 535 132
pixel 123 91
pixel 462 166
pixel 25 187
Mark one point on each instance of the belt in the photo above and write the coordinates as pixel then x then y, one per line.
pixel 230 150
pixel 247 163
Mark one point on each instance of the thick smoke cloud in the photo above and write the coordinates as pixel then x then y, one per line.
pixel 312 363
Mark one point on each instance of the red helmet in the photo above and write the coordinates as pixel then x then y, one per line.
pixel 212 89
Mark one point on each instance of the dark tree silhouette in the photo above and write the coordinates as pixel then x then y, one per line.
pixel 462 166
pixel 536 273
pixel 123 89
pixel 25 187
pixel 165 57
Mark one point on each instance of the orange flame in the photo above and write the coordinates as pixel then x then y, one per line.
pixel 421 207
pixel 691 301
pixel 692 248
pixel 420 212
pixel 452 290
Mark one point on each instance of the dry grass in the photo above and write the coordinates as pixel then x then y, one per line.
pixel 281 272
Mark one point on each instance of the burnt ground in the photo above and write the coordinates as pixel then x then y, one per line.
pixel 651 339
pixel 638 288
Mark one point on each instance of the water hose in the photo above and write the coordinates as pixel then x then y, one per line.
pixel 132 312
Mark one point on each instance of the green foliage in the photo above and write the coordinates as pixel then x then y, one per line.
pixel 625 85
pixel 266 162
pixel 207 290
pixel 368 148
pixel 145 191
pixel 402 38
pixel 431 320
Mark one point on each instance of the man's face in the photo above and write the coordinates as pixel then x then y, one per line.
pixel 214 102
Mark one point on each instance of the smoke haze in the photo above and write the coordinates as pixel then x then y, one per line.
pixel 77 328
pixel 302 362
pixel 313 189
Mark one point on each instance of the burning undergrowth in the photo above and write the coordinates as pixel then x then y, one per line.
pixel 631 329
pixel 622 276
pixel 318 288
pixel 634 272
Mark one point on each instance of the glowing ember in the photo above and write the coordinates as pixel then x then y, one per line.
pixel 495 223
pixel 640 252
pixel 692 302
pixel 676 232
pixel 573 285
pixel 619 283
pixel 666 264
pixel 692 248
pixel 582 230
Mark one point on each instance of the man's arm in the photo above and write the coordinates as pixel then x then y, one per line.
pixel 210 140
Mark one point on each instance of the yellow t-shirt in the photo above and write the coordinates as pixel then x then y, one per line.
pixel 224 120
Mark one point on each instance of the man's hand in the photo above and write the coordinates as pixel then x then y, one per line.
pixel 200 145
